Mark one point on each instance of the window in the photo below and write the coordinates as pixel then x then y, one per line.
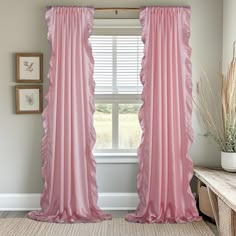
pixel 117 65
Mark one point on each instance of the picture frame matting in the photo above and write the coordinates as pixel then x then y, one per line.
pixel 29 67
pixel 29 99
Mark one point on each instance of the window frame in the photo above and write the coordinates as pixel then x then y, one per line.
pixel 116 27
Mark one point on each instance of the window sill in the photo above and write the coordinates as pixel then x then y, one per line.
pixel 116 158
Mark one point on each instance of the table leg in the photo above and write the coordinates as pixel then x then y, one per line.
pixel 214 205
pixel 227 220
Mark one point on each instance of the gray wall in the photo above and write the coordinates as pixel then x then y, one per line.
pixel 23 29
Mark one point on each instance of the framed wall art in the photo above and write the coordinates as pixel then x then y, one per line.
pixel 29 99
pixel 29 67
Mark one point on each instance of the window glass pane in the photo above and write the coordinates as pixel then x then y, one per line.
pixel 129 127
pixel 103 126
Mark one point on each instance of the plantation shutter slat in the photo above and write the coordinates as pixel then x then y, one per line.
pixel 117 64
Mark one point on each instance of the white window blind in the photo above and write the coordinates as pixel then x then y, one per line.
pixel 117 64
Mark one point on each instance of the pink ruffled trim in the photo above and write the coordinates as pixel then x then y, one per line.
pixel 142 151
pixel 92 138
pixel 46 145
pixel 162 220
pixel 188 84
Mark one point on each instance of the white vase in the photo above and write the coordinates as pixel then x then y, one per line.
pixel 228 161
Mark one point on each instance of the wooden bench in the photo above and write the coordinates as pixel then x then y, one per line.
pixel 221 187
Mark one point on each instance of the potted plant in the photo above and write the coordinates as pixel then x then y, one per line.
pixel 221 125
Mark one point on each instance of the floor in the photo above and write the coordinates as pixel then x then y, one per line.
pixel 115 214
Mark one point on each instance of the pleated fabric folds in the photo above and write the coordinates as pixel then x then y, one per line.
pixel 165 117
pixel 68 170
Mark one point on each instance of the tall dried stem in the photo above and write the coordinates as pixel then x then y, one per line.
pixel 225 133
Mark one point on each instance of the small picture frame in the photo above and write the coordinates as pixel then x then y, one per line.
pixel 29 67
pixel 29 99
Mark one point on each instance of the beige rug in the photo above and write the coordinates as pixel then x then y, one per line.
pixel 115 227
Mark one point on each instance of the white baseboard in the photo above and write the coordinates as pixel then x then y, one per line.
pixel 118 201
pixel 19 202
pixel 106 201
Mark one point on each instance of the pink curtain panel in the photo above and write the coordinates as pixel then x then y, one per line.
pixel 70 190
pixel 165 118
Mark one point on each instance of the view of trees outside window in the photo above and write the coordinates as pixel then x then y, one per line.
pixel 103 126
pixel 129 131
pixel 129 127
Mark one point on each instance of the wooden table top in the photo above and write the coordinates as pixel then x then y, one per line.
pixel 222 183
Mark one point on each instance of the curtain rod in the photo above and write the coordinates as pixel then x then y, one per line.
pixel 127 9
pixel 131 9
pixel 117 9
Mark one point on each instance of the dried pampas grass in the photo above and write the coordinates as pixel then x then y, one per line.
pixel 222 128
